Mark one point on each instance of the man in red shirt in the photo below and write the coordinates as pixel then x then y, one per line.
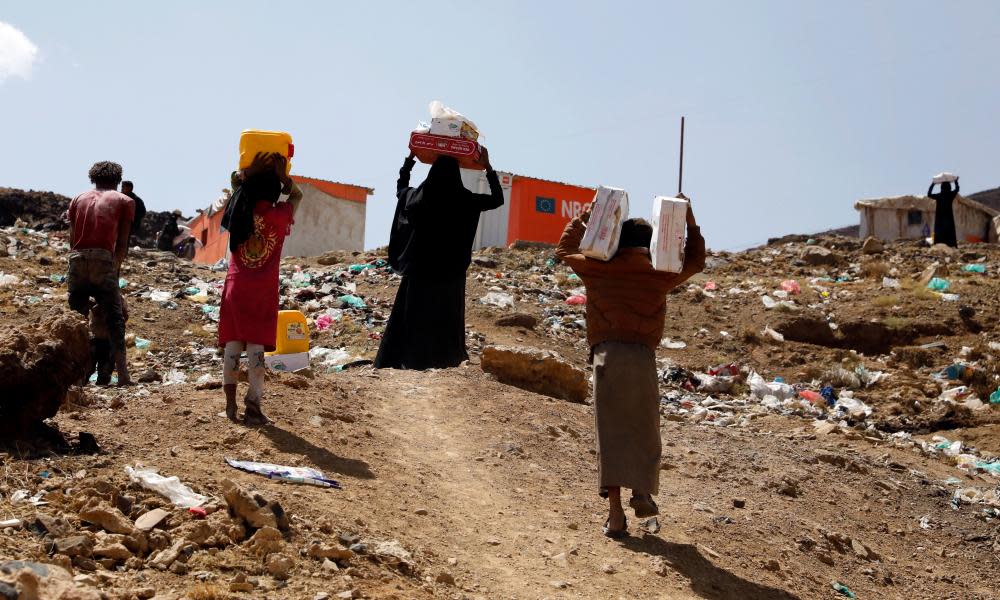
pixel 100 222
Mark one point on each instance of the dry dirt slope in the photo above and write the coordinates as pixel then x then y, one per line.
pixel 493 486
pixel 506 480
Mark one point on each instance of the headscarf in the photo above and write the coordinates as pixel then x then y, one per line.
pixel 238 218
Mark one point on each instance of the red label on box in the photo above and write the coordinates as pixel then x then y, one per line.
pixel 427 147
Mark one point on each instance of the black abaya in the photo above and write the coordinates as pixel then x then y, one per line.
pixel 431 247
pixel 944 217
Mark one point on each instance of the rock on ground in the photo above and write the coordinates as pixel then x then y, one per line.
pixel 818 256
pixel 538 371
pixel 37 580
pixel 37 366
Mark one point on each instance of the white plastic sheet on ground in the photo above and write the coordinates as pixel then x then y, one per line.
pixel 329 358
pixel 498 299
pixel 168 487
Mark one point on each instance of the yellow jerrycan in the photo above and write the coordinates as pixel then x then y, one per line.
pixel 253 141
pixel 293 333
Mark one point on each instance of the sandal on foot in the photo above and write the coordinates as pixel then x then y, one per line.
pixel 643 506
pixel 614 533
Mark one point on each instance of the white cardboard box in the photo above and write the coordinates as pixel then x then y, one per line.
pixel 669 225
pixel 287 362
pixel 453 127
pixel 604 229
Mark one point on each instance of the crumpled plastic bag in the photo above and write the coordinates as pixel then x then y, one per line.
pixel 170 488
pixel 760 388
pixel 498 299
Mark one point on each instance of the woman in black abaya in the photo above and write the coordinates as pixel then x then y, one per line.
pixel 431 247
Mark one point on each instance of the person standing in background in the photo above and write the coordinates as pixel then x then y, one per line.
pixel 140 208
pixel 100 223
pixel 944 213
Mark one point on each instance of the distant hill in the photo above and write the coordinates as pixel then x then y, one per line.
pixel 990 198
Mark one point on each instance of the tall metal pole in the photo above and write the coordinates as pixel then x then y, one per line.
pixel 680 174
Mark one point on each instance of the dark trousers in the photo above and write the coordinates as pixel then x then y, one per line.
pixel 92 274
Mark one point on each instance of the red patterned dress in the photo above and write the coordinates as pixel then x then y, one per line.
pixel 249 311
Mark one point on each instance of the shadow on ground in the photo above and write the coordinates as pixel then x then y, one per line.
pixel 321 458
pixel 707 580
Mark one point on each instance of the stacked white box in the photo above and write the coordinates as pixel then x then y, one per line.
pixel 669 225
pixel 610 210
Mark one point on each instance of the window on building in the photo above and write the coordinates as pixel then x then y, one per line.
pixel 204 236
pixel 914 217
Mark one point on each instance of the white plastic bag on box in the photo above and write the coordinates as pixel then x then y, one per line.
pixel 945 178
pixel 669 224
pixel 451 123
pixel 610 210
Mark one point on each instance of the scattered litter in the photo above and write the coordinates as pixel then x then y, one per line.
pixel 938 284
pixel 323 322
pixel 19 496
pixel 974 268
pixel 791 286
pixel 576 300
pixel 772 334
pixel 329 358
pixel 8 280
pixel 498 299
pixel 160 296
pixel 305 475
pixel 889 282
pixel 15 523
pixel 142 344
pixel 843 590
pixel 174 376
pixel 352 301
pixel 673 344
pixel 169 487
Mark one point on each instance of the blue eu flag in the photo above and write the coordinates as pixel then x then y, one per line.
pixel 545 205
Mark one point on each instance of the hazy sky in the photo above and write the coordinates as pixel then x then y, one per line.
pixel 795 109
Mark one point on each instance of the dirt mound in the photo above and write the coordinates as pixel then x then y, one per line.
pixel 43 211
pixel 37 366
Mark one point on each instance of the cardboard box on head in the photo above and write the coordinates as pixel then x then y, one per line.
pixel 669 226
pixel 427 147
pixel 604 229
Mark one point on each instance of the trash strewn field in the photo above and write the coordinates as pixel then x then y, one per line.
pixel 829 419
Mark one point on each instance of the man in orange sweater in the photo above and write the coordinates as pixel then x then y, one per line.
pixel 626 311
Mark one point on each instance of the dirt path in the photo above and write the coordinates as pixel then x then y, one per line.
pixel 513 506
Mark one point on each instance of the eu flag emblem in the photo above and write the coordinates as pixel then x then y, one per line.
pixel 545 205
